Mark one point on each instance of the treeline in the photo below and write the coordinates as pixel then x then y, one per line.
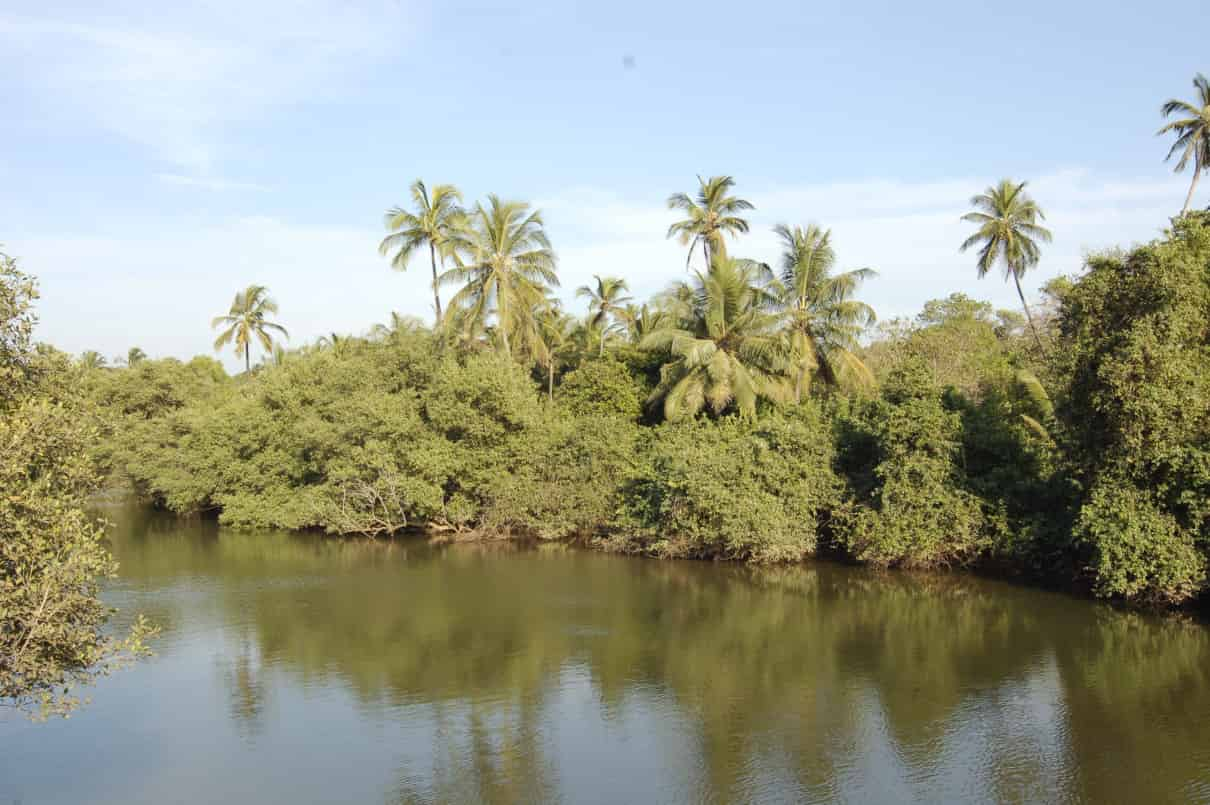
pixel 1078 451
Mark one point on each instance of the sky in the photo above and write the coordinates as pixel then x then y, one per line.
pixel 157 158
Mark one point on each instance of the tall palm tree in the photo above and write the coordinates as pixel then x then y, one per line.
pixel 505 265
pixel 722 338
pixel 708 217
pixel 1192 133
pixel 1008 232
pixel 246 320
pixel 135 356
pixel 606 306
pixel 824 321
pixel 435 215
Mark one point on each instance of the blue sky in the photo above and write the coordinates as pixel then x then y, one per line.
pixel 157 158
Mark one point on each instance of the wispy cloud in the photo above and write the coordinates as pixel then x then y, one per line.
pixel 207 182
pixel 176 77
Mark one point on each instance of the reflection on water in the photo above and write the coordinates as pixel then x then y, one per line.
pixel 301 669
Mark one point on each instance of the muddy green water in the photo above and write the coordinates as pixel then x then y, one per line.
pixel 295 669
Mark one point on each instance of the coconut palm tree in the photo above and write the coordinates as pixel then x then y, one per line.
pixel 505 266
pixel 435 215
pixel 1008 232
pixel 246 320
pixel 606 306
pixel 554 329
pixel 723 341
pixel 642 320
pixel 135 356
pixel 709 217
pixel 1192 133
pixel 91 359
pixel 824 321
pixel 399 326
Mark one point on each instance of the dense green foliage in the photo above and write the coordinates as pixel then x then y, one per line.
pixel 918 512
pixel 969 445
pixel 52 553
pixel 1137 409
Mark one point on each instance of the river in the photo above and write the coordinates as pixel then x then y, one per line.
pixel 296 669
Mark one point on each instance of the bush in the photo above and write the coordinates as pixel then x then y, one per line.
pixel 733 489
pixel 1139 551
pixel 916 511
pixel 601 388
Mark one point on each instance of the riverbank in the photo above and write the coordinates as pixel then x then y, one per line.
pixel 973 446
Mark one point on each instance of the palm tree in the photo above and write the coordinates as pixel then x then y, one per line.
pixel 824 320
pixel 1008 233
pixel 247 320
pixel 339 344
pixel 435 216
pixel 1192 133
pixel 606 306
pixel 642 320
pixel 400 325
pixel 554 329
pixel 722 337
pixel 505 265
pixel 709 217
pixel 91 359
pixel 135 356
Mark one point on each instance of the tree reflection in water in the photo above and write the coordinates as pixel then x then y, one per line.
pixel 533 670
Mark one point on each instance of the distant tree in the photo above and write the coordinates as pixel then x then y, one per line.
pixel 554 329
pixel 709 217
pixel 245 321
pixel 505 267
pixel 135 356
pixel 1008 232
pixel 91 359
pixel 1192 131
pixel 824 320
pixel 398 326
pixel 606 306
pixel 430 224
pixel 642 320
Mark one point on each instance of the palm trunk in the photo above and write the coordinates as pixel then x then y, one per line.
pixel 601 346
pixel 550 379
pixel 706 254
pixel 247 358
pixel 1028 315
pixel 502 316
pixel 798 386
pixel 436 295
pixel 1197 172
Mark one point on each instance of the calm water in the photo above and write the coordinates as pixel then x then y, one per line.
pixel 296 669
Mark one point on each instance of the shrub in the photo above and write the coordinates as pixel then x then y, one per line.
pixel 1139 551
pixel 916 511
pixel 601 388
pixel 733 489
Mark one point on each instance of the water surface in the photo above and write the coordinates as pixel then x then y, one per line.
pixel 298 669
